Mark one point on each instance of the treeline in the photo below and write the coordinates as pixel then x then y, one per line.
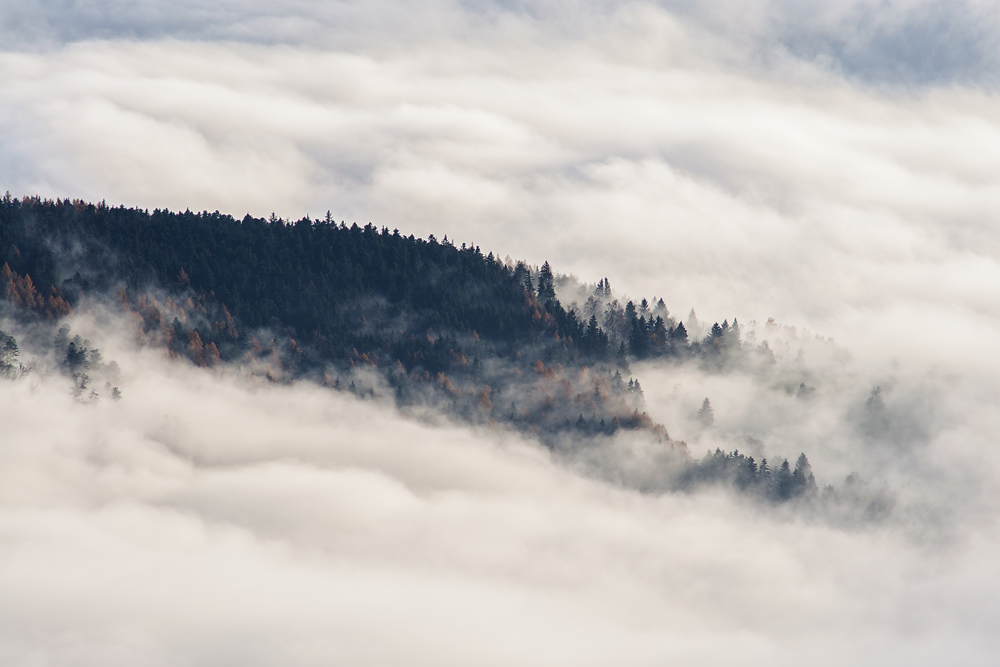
pixel 648 331
pixel 335 288
pixel 438 323
pixel 75 358
pixel 325 281
pixel 319 297
pixel 371 311
pixel 777 484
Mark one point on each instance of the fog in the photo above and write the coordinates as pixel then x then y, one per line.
pixel 834 166
pixel 210 518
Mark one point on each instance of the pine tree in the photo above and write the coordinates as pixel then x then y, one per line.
pixel 679 336
pixel 803 481
pixel 706 415
pixel 764 477
pixel 546 288
pixel 783 481
pixel 875 403
pixel 9 366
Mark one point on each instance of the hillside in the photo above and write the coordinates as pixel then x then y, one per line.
pixel 372 311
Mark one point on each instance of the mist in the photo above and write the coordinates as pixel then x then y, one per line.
pixel 211 518
pixel 832 166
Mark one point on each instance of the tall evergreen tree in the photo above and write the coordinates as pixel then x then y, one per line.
pixel 706 415
pixel 546 287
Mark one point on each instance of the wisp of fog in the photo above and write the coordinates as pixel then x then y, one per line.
pixel 212 518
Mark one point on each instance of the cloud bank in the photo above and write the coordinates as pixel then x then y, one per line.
pixel 211 519
pixel 834 166
pixel 631 143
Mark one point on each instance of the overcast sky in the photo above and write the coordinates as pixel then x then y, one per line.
pixel 834 165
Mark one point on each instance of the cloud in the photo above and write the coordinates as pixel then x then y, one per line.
pixel 210 518
pixel 818 165
pixel 898 43
pixel 629 150
pixel 47 24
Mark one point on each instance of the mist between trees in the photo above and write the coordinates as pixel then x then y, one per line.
pixel 438 330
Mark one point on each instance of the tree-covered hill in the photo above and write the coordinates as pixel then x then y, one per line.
pixel 312 276
pixel 320 298
pixel 342 290
pixel 371 311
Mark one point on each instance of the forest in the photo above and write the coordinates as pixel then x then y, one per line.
pixel 375 312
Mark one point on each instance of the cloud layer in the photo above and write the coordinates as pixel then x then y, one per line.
pixel 636 146
pixel 897 43
pixel 833 166
pixel 210 519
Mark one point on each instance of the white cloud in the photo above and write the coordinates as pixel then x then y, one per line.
pixel 206 521
pixel 609 153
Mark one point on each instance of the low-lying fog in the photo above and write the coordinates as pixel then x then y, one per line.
pixel 212 518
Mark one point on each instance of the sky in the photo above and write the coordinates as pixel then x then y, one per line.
pixel 833 165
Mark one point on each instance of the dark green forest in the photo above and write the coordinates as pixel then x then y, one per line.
pixel 340 289
pixel 367 310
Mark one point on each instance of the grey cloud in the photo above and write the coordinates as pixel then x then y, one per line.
pixel 901 43
pixel 925 43
pixel 701 183
pixel 42 24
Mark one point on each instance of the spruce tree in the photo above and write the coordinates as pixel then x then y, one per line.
pixel 546 289
pixel 706 415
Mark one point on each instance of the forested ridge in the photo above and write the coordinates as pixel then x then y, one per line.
pixel 339 288
pixel 372 311
pixel 301 275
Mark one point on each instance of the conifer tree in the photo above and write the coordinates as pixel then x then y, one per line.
pixel 9 351
pixel 706 415
pixel 546 289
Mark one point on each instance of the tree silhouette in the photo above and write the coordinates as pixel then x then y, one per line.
pixel 706 415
